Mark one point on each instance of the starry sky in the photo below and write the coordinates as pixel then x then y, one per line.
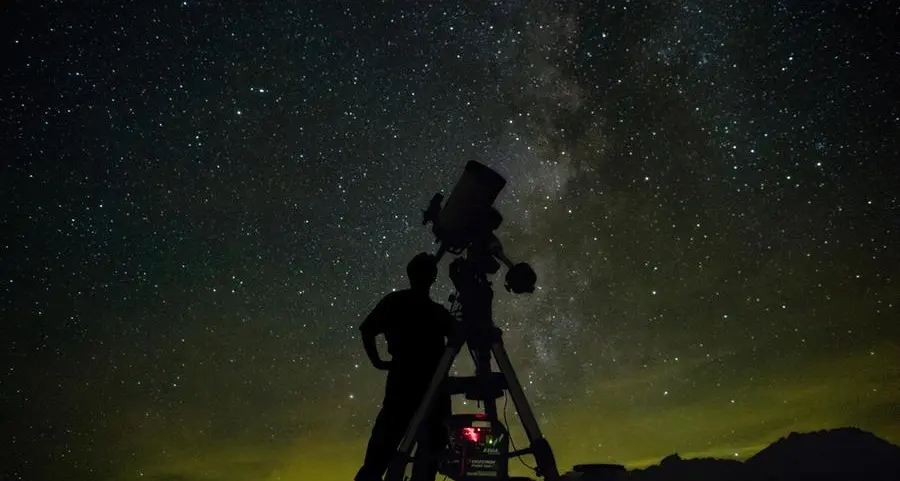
pixel 202 200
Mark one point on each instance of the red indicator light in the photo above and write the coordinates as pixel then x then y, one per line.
pixel 471 434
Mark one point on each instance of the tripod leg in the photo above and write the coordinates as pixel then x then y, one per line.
pixel 543 455
pixel 401 457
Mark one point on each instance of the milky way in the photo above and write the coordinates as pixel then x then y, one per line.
pixel 201 203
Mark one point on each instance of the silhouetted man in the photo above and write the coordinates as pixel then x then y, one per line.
pixel 415 328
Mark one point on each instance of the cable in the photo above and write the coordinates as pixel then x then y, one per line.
pixel 509 431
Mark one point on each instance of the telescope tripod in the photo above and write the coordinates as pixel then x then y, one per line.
pixel 484 339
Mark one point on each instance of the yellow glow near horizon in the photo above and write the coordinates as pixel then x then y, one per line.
pixel 599 428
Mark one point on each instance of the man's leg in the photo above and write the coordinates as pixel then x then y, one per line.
pixel 381 445
pixel 390 426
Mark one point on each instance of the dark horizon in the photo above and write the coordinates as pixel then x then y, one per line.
pixel 836 454
pixel 200 202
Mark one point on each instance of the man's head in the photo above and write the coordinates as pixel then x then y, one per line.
pixel 422 270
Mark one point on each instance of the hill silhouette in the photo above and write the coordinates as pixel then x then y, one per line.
pixel 844 454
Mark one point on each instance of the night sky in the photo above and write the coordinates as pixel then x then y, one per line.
pixel 200 203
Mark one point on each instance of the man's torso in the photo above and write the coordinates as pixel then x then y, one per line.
pixel 415 330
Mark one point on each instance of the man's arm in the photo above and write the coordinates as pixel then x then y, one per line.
pixel 368 338
pixel 370 329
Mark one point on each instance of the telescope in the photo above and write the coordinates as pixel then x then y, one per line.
pixel 478 445
pixel 468 221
